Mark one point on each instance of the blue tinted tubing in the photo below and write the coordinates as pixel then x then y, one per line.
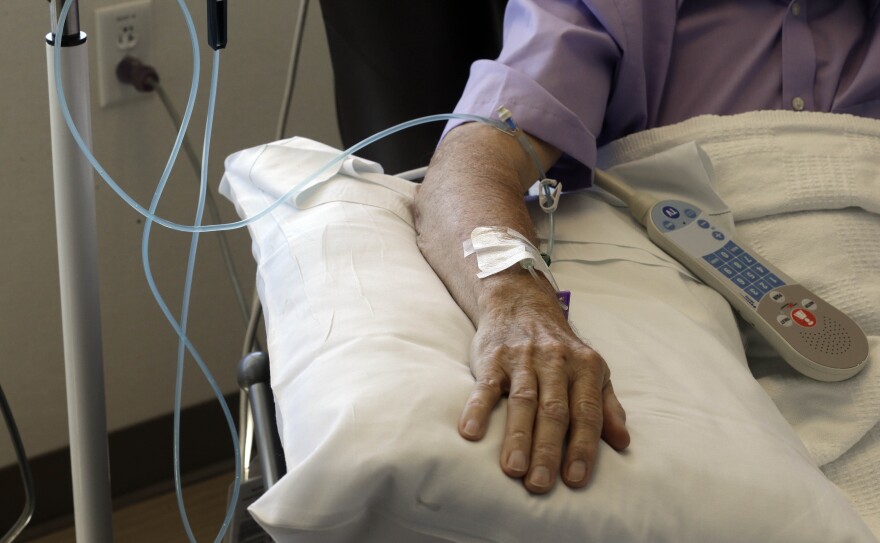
pixel 145 245
pixel 336 160
pixel 187 292
pixel 145 253
pixel 151 215
pixel 181 328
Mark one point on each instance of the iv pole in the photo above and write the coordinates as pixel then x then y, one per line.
pixel 78 271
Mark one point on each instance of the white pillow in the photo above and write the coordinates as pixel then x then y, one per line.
pixel 369 367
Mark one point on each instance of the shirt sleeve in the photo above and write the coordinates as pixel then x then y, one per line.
pixel 555 74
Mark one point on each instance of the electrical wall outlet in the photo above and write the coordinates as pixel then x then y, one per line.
pixel 121 30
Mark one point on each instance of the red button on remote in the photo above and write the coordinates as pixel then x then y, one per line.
pixel 804 317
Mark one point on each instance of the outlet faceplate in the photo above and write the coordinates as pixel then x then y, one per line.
pixel 121 29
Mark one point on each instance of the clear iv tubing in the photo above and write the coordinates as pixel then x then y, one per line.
pixel 180 329
pixel 184 317
pixel 150 214
pixel 151 217
pixel 184 343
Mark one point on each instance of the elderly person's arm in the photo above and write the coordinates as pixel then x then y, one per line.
pixel 557 385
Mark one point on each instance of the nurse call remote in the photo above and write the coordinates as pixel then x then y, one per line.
pixel 810 334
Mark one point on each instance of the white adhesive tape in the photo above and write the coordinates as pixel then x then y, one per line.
pixel 499 248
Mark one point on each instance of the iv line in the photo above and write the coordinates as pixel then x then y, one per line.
pixel 280 201
pixel 184 344
pixel 150 215
pixel 290 193
pixel 180 330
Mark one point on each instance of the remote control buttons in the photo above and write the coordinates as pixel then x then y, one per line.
pixel 740 281
pixel 713 260
pixel 744 270
pixel 718 235
pixel 724 254
pixel 803 318
pixel 815 338
pixel 773 280
pixel 673 216
pixel 750 275
pixel 735 249
pixel 764 285
pixel 671 212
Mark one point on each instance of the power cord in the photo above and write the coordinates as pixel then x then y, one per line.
pixel 26 476
pixel 145 78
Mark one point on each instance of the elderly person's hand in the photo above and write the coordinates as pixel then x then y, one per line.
pixel 558 387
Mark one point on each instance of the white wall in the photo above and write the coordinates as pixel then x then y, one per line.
pixel 132 141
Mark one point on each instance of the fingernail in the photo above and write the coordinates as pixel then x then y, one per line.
pixel 576 471
pixel 540 476
pixel 472 428
pixel 517 461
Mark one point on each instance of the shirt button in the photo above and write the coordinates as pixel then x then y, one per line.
pixel 797 103
pixel 796 9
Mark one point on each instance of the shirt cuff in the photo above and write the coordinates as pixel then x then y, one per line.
pixel 534 110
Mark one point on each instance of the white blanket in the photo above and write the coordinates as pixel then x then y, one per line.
pixel 804 190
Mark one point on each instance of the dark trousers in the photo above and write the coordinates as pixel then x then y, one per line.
pixel 395 60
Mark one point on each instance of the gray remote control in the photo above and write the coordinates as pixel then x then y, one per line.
pixel 815 338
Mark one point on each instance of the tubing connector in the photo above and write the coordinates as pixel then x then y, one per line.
pixel 507 118
pixel 548 194
pixel 217 24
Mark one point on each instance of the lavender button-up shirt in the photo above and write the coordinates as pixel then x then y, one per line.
pixel 581 73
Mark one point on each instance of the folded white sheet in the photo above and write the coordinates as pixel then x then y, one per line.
pixel 805 191
pixel 369 365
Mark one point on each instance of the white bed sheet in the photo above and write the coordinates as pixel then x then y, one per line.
pixel 369 366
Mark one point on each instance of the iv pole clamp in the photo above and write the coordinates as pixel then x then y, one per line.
pixel 78 272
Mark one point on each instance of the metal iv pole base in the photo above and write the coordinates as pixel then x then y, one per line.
pixel 80 309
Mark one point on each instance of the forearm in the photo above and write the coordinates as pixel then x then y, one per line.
pixel 477 178
pixel 560 399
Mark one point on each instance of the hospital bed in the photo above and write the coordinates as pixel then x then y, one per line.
pixel 369 351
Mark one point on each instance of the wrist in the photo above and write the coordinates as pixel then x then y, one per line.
pixel 515 287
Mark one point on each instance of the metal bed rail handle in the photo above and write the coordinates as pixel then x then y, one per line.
pixel 253 378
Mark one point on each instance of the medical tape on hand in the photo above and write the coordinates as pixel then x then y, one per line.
pixel 499 248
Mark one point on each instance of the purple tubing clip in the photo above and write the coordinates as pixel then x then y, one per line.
pixel 564 297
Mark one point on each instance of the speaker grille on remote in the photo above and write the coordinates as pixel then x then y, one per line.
pixel 829 338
